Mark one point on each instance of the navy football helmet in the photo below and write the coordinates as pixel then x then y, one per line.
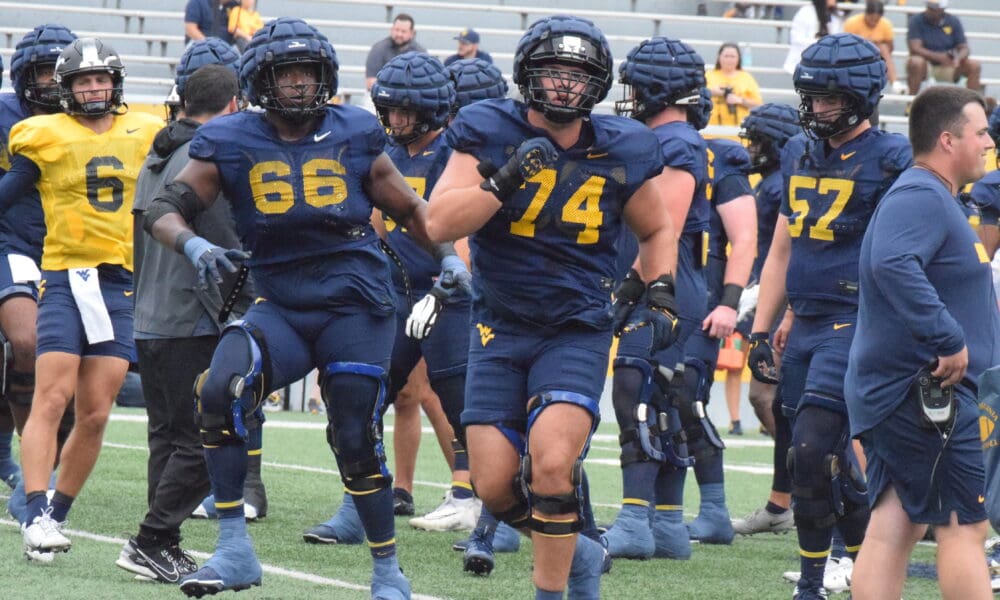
pixel 209 51
pixel 280 43
pixel 766 129
pixel 700 114
pixel 419 84
pixel 475 80
pixel 994 125
pixel 563 41
pixel 89 55
pixel 841 64
pixel 658 73
pixel 39 50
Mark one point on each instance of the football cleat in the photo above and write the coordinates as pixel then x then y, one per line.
pixel 45 534
pixel 402 503
pixel 452 515
pixel 505 539
pixel 10 473
pixel 344 527
pixel 631 535
pixel 762 521
pixel 233 566
pixel 671 536
pixel 802 593
pixel 389 583
pixel 836 575
pixel 166 564
pixel 586 569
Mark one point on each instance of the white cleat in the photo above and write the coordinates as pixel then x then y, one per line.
pixel 836 575
pixel 44 534
pixel 453 514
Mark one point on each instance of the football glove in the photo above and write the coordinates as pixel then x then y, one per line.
pixel 531 157
pixel 627 295
pixel 761 358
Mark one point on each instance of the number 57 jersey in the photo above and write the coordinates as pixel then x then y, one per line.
pixel 87 185
pixel 830 196
pixel 547 257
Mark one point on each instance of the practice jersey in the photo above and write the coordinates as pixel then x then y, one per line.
pixel 297 203
pixel 986 196
pixel 767 197
pixel 421 172
pixel 22 225
pixel 830 195
pixel 547 257
pixel 684 149
pixel 87 185
pixel 728 175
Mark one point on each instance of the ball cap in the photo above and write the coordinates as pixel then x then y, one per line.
pixel 469 36
pixel 942 4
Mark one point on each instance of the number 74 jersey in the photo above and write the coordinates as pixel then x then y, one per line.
pixel 87 185
pixel 829 198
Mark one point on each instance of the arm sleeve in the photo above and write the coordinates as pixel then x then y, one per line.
pixel 18 181
pixel 905 240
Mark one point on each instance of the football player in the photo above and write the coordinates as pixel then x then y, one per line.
pixel 84 163
pixel 663 80
pixel 834 176
pixel 766 130
pixel 302 178
pixel 986 195
pixel 542 188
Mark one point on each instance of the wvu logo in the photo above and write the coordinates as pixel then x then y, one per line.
pixel 41 288
pixel 84 274
pixel 987 426
pixel 485 334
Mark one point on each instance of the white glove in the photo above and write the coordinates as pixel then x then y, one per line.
pixel 748 301
pixel 423 316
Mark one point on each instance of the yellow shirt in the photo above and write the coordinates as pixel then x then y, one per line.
pixel 881 33
pixel 244 21
pixel 743 84
pixel 87 185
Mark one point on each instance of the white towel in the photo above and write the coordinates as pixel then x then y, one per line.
pixel 23 269
pixel 87 292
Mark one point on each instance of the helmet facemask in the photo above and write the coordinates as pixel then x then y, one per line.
pixel 296 102
pixel 829 123
pixel 562 92
pixel 42 96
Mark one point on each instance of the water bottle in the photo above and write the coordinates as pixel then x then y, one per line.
pixel 746 51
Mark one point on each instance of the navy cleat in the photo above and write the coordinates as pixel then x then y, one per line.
pixel 388 581
pixel 234 566
pixel 344 527
pixel 402 503
pixel 671 536
pixel 505 539
pixel 713 525
pixel 10 473
pixel 478 558
pixel 631 535
pixel 585 572
pixel 802 592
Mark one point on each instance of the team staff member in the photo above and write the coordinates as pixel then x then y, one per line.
pixel 84 164
pixel 926 303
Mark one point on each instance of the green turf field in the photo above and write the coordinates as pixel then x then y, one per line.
pixel 303 488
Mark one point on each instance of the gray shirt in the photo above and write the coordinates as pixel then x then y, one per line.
pixel 384 50
pixel 168 300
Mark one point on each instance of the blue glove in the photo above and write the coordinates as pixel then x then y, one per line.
pixel 660 314
pixel 207 258
pixel 761 358
pixel 531 157
pixel 454 277
pixel 627 296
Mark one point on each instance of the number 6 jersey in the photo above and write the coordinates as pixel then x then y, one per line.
pixel 547 257
pixel 829 198
pixel 87 185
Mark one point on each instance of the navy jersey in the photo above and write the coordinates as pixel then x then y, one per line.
pixel 767 196
pixel 297 203
pixel 728 174
pixel 547 257
pixel 926 291
pixel 830 195
pixel 685 149
pixel 986 196
pixel 421 172
pixel 22 226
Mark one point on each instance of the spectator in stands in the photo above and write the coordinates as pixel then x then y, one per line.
pixel 207 18
pixel 734 91
pixel 806 27
pixel 938 39
pixel 874 27
pixel 400 40
pixel 244 21
pixel 468 47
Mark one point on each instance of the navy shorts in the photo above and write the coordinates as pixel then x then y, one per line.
pixel 931 479
pixel 510 363
pixel 815 361
pixel 60 328
pixel 9 287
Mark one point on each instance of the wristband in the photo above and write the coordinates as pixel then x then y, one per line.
pixel 731 296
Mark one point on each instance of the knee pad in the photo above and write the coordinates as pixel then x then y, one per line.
pixel 837 490
pixel 354 431
pixel 641 424
pixel 571 502
pixel 238 393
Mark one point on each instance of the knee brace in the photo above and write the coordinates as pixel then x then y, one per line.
pixel 243 391
pixel 561 503
pixel 641 424
pixel 690 393
pixel 354 431
pixel 6 363
pixel 517 515
pixel 25 381
pixel 840 492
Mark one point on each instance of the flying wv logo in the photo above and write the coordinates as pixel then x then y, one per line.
pixel 84 274
pixel 485 333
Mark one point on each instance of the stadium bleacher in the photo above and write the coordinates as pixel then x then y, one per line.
pixel 151 41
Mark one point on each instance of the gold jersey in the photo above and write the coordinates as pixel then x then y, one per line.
pixel 87 185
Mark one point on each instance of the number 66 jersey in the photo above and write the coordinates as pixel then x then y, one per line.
pixel 547 257
pixel 830 195
pixel 87 185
